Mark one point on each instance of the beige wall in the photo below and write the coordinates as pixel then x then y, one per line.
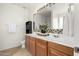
pixel 12 14
pixel 76 25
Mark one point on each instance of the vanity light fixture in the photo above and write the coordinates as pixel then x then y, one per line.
pixel 71 8
pixel 45 6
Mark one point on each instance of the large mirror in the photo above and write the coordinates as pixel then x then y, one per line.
pixel 53 17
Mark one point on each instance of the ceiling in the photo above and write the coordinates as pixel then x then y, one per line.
pixel 31 6
pixel 35 6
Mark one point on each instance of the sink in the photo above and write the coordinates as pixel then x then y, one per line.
pixel 42 34
pixel 56 36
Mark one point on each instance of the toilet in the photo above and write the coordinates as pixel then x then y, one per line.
pixel 22 43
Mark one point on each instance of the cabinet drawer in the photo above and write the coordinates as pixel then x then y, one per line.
pixel 32 39
pixel 43 42
pixel 54 52
pixel 62 48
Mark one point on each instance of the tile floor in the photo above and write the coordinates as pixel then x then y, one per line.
pixel 22 52
pixel 15 52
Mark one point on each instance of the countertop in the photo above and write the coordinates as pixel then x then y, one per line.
pixel 67 41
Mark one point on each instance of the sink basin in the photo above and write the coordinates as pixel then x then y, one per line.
pixel 56 36
pixel 43 34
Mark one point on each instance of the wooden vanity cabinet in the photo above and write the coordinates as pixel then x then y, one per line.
pixel 30 45
pixel 55 49
pixel 41 47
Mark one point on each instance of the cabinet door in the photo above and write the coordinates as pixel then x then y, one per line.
pixel 32 46
pixel 58 49
pixel 54 52
pixel 27 42
pixel 41 47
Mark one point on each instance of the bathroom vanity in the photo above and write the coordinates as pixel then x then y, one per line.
pixel 48 45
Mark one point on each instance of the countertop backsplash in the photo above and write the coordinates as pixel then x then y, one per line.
pixel 56 31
